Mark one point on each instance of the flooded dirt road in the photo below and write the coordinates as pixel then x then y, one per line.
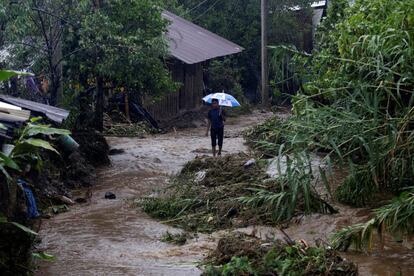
pixel 111 237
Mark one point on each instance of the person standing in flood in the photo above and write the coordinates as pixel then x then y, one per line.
pixel 216 118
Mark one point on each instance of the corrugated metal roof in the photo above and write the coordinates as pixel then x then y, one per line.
pixel 53 113
pixel 12 113
pixel 192 44
pixel 315 5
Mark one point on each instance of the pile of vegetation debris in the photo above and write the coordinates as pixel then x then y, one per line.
pixel 240 254
pixel 232 191
pixel 118 125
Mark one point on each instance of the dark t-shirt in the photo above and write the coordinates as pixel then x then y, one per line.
pixel 216 117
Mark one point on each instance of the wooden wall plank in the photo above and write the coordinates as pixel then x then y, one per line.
pixel 188 97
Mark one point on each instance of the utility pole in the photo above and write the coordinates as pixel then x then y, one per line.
pixel 99 104
pixel 265 72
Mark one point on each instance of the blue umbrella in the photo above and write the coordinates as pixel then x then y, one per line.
pixel 223 98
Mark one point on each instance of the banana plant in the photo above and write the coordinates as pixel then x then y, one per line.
pixel 28 145
pixel 27 148
pixel 5 161
pixel 7 74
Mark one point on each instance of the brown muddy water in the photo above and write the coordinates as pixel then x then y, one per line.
pixel 111 237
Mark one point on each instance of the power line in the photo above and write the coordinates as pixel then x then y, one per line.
pixel 206 11
pixel 195 7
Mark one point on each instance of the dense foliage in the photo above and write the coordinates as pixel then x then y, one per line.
pixel 80 45
pixel 243 27
pixel 358 107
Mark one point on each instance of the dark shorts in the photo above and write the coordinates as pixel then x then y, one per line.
pixel 217 134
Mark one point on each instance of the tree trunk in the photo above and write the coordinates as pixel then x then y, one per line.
pixel 54 89
pixel 265 72
pixel 99 107
pixel 126 101
pixel 56 31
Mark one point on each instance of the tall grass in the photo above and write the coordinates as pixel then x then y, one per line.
pixel 357 108
pixel 395 217
pixel 296 192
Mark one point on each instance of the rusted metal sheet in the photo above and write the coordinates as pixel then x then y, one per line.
pixel 53 113
pixel 193 44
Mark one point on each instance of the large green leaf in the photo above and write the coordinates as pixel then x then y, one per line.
pixel 7 74
pixel 33 130
pixel 24 228
pixel 3 170
pixel 43 256
pixel 3 219
pixel 39 143
pixel 8 162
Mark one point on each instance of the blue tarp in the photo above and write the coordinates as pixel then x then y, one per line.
pixel 32 211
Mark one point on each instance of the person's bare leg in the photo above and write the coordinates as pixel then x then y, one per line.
pixel 220 134
pixel 214 151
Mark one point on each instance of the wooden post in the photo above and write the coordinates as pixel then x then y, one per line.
pixel 265 72
pixel 127 107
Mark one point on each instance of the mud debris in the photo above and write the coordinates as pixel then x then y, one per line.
pixel 178 239
pixel 240 254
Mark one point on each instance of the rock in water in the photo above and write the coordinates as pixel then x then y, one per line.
pixel 116 151
pixel 110 195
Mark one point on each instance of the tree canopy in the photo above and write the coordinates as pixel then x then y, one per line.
pixel 76 40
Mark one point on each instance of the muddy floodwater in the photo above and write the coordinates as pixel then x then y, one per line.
pixel 111 237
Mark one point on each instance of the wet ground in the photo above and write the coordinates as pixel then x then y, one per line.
pixel 110 237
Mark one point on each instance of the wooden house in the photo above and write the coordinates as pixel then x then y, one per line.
pixel 190 47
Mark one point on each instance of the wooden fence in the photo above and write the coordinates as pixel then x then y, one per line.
pixel 189 96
